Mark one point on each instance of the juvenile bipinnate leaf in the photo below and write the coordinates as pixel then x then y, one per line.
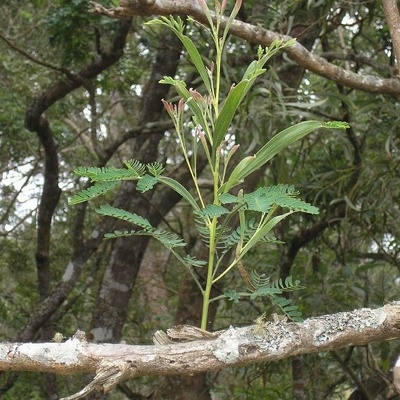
pixel 155 168
pixel 193 262
pixel 167 239
pixel 124 215
pixel 92 192
pixel 108 174
pixel 146 183
pixel 259 280
pixel 211 211
pixel 264 198
pixel 245 233
pixel 136 167
pixel 232 295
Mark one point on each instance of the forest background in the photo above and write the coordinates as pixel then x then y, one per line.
pixel 79 89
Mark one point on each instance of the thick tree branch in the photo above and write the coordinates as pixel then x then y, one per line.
pixel 256 35
pixel 393 20
pixel 265 341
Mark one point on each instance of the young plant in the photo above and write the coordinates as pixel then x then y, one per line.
pixel 257 212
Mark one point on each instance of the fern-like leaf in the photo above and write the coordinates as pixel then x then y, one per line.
pixel 228 198
pixel 233 237
pixel 125 215
pixel 266 290
pixel 295 204
pixel 264 198
pixel 168 239
pixel 211 211
pixel 288 285
pixel 136 167
pixel 118 234
pixel 232 295
pixel 156 169
pixel 193 262
pixel 204 232
pixel 90 193
pixel 259 280
pixel 106 174
pixel 292 312
pixel 146 183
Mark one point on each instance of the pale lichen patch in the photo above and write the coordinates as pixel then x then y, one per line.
pixel 66 353
pixel 356 320
pixel 226 347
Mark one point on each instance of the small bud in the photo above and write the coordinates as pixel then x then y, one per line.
pixel 168 107
pixel 181 105
pixel 198 98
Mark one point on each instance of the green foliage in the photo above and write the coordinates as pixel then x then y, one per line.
pixel 66 23
pixel 229 222
pixel 263 287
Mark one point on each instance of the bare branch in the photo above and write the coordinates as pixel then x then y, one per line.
pixel 257 35
pixel 265 341
pixel 393 20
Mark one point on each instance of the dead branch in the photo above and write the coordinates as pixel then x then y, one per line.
pixel 264 341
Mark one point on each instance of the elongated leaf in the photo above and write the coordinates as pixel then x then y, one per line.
pixel 177 26
pixel 197 60
pixel 228 111
pixel 263 232
pixel 279 142
pixel 178 188
pixel 236 173
pixel 237 94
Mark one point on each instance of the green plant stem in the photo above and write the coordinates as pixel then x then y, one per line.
pixel 210 273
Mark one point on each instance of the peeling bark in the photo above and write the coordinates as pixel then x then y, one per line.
pixel 267 341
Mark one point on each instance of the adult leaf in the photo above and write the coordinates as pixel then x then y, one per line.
pixel 279 142
pixel 178 188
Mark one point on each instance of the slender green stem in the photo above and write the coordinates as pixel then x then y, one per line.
pixel 222 274
pixel 210 272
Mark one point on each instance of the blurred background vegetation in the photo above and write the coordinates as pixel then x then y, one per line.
pixel 81 90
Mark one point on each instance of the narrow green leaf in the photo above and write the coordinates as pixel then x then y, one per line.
pixel 279 142
pixel 177 26
pixel 234 178
pixel 258 235
pixel 228 111
pixel 178 188
pixel 197 60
